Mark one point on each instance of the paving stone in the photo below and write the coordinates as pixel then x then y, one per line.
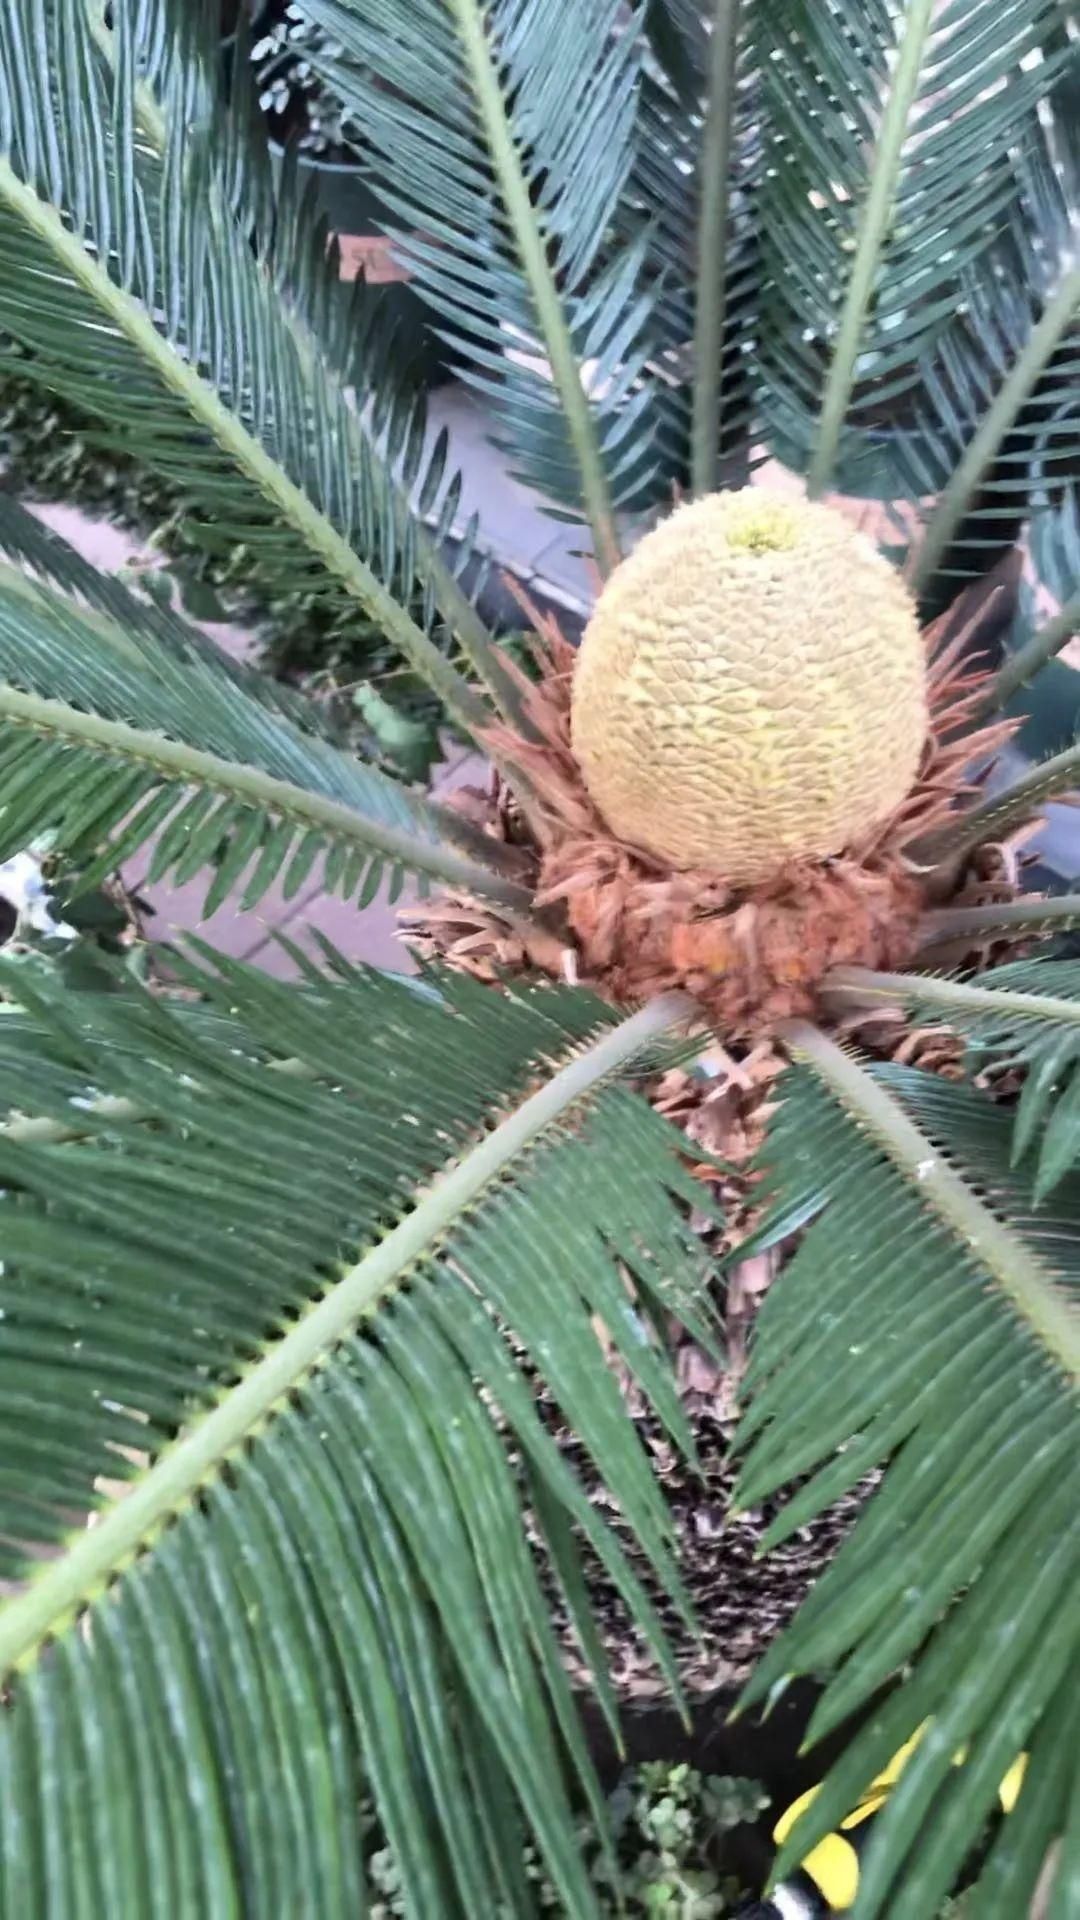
pixel 112 549
pixel 514 523
pixel 566 567
pixel 99 542
pixel 175 910
pixel 367 936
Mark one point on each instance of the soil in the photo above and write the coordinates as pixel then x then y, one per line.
pixel 741 1601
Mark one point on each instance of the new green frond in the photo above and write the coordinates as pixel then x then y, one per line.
pixel 710 306
pixel 307 1445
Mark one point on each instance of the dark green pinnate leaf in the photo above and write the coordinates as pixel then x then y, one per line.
pixel 927 1324
pixel 311 1450
pixel 120 725
pixel 152 278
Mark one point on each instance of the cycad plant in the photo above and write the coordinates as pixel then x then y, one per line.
pixel 283 1266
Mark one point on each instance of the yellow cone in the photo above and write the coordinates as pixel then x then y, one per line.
pixel 751 687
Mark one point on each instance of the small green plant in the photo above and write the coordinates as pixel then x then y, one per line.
pixel 668 1823
pixel 299 102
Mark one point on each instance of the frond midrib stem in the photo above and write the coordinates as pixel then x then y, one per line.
pixel 56 1595
pixel 565 370
pixel 871 234
pixel 710 306
pixel 1018 1275
pixel 175 760
pixel 861 986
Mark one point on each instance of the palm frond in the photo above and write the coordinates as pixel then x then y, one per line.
pixel 892 142
pixel 1001 814
pixel 119 725
pixel 502 138
pixel 308 1445
pixel 1054 551
pixel 351 329
pixel 996 433
pixel 927 1324
pixel 137 284
pixel 1024 1015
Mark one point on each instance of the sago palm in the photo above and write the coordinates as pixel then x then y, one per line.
pixel 285 1266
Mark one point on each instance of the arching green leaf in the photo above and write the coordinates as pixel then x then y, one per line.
pixel 928 1324
pixel 136 280
pixel 895 147
pixel 267 1317
pixel 119 725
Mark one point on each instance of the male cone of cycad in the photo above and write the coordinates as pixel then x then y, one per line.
pixel 751 688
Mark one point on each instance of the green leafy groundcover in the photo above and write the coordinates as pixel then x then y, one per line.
pixel 671 1824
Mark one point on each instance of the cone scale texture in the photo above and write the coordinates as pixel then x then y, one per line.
pixel 751 688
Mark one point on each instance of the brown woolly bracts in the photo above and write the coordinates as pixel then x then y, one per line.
pixel 615 918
